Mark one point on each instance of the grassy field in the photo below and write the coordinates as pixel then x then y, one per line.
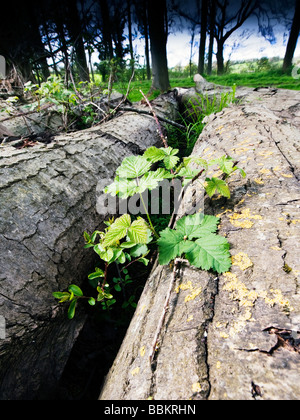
pixel 257 79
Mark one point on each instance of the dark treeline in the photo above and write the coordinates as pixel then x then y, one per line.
pixel 38 38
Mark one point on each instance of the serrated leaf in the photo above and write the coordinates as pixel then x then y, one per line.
pixel 151 180
pixel 139 250
pixel 123 187
pixel 133 167
pixel 197 225
pixel 138 231
pixel 154 154
pixel 217 185
pixel 169 151
pixel 197 160
pixel 211 252
pixel 171 161
pixel 169 245
pixel 118 230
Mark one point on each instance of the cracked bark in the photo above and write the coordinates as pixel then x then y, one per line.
pixel 218 345
pixel 48 199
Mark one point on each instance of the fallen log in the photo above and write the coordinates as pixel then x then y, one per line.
pixel 47 200
pixel 236 335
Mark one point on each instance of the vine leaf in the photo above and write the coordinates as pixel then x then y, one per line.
pixel 118 230
pixel 166 154
pixel 208 251
pixel 133 167
pixel 138 231
pixel 216 184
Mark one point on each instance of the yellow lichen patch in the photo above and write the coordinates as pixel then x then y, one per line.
pixel 190 318
pixel 265 171
pixel 287 175
pixel 238 291
pixel 279 299
pixel 276 248
pixel 241 260
pixel 239 151
pixel 188 286
pixel 266 154
pixel 259 181
pixel 135 371
pixel 218 365
pixel 193 295
pixel 142 351
pixel 246 300
pixel 196 387
pixel 184 286
pixel 243 219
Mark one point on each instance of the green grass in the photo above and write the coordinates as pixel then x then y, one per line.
pixel 270 78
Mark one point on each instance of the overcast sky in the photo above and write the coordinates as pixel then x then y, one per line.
pixel 245 43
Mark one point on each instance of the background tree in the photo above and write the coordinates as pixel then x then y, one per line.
pixel 293 38
pixel 158 31
pixel 229 18
pixel 203 33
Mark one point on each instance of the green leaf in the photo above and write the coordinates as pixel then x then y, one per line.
pixel 169 245
pixel 123 187
pixel 71 310
pixel 133 167
pixel 98 273
pixel 144 261
pixel 118 230
pixel 211 252
pixel 151 180
pixel 92 301
pixel 216 184
pixel 127 245
pixel 138 231
pixel 63 296
pixel 171 161
pixel 197 225
pixel 197 160
pixel 153 154
pixel 139 250
pixel 87 237
pixel 75 289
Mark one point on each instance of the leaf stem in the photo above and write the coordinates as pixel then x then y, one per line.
pixel 148 216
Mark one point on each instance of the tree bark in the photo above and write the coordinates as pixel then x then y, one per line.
pixel 211 35
pixel 293 38
pixel 230 336
pixel 158 43
pixel 48 198
pixel 204 13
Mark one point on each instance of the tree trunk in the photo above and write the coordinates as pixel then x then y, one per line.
pixel 294 34
pixel 211 35
pixel 48 199
pixel 220 57
pixel 146 34
pixel 158 42
pixel 204 12
pixel 230 336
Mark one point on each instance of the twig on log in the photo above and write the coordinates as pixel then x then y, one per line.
pixel 163 138
pixel 142 111
pixel 24 114
pixel 165 307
